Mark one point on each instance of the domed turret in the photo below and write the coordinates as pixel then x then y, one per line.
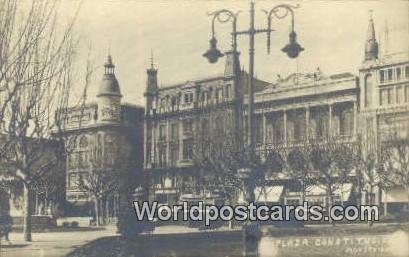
pixel 109 85
pixel 109 95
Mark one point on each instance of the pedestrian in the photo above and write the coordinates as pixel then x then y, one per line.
pixel 6 224
pixel 5 219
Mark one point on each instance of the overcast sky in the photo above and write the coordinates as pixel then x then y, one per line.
pixel 332 32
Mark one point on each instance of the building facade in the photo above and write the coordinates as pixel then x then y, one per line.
pixel 341 108
pixel 102 137
pixel 384 106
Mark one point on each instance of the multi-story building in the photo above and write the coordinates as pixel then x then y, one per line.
pixel 288 112
pixel 105 135
pixel 384 105
pixel 171 124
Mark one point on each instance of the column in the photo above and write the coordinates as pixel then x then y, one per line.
pixel 180 139
pixel 355 126
pixel 264 129
pixel 307 122
pixel 167 142
pixel 330 121
pixel 285 126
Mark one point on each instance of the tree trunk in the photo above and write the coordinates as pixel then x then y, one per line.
pixel 107 212
pixel 329 204
pixel 408 201
pixel 371 202
pixel 96 207
pixel 385 205
pixel 302 192
pixel 27 213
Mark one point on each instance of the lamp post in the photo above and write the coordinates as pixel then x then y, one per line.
pixel 292 49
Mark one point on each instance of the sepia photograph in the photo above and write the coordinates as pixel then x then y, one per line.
pixel 204 128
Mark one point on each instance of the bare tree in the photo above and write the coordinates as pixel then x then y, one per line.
pixel 216 152
pixel 334 162
pixel 35 78
pixel 300 168
pixel 103 173
pixel 394 156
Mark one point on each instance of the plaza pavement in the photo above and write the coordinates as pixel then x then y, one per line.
pixel 59 244
pixel 51 244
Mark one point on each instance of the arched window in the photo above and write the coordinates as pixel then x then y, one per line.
pixel 368 90
pixel 83 142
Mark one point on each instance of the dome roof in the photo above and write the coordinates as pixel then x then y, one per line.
pixel 109 86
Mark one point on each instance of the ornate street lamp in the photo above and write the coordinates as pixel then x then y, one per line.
pixel 213 54
pixel 292 49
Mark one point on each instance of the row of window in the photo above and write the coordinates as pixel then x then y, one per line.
pixel 342 124
pixel 393 74
pixel 187 152
pixel 217 95
pixel 394 95
pixel 75 179
pixel 187 126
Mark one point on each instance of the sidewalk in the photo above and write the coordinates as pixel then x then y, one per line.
pixel 51 244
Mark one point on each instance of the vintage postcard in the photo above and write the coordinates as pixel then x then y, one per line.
pixel 192 128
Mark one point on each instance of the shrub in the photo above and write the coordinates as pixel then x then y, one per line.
pixel 75 224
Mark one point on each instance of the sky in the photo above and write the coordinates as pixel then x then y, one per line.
pixel 177 32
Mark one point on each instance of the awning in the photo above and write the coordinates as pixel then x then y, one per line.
pixel 191 197
pixel 396 195
pixel 165 191
pixel 268 193
pixel 343 191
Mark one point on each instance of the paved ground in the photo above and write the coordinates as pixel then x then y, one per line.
pixel 59 244
pixel 52 244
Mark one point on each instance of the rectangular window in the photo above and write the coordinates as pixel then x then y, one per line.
pixel 407 93
pixel 382 76
pixel 174 103
pixel 228 89
pixel 162 156
pixel 390 74
pixel 83 159
pixel 162 132
pixel 72 181
pixel 259 129
pixel 174 154
pixel 383 99
pixel 204 97
pixel 187 126
pixel 187 149
pixel 407 71
pixel 399 95
pixel 174 131
pixel 390 95
pixel 188 98
pixel 398 73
